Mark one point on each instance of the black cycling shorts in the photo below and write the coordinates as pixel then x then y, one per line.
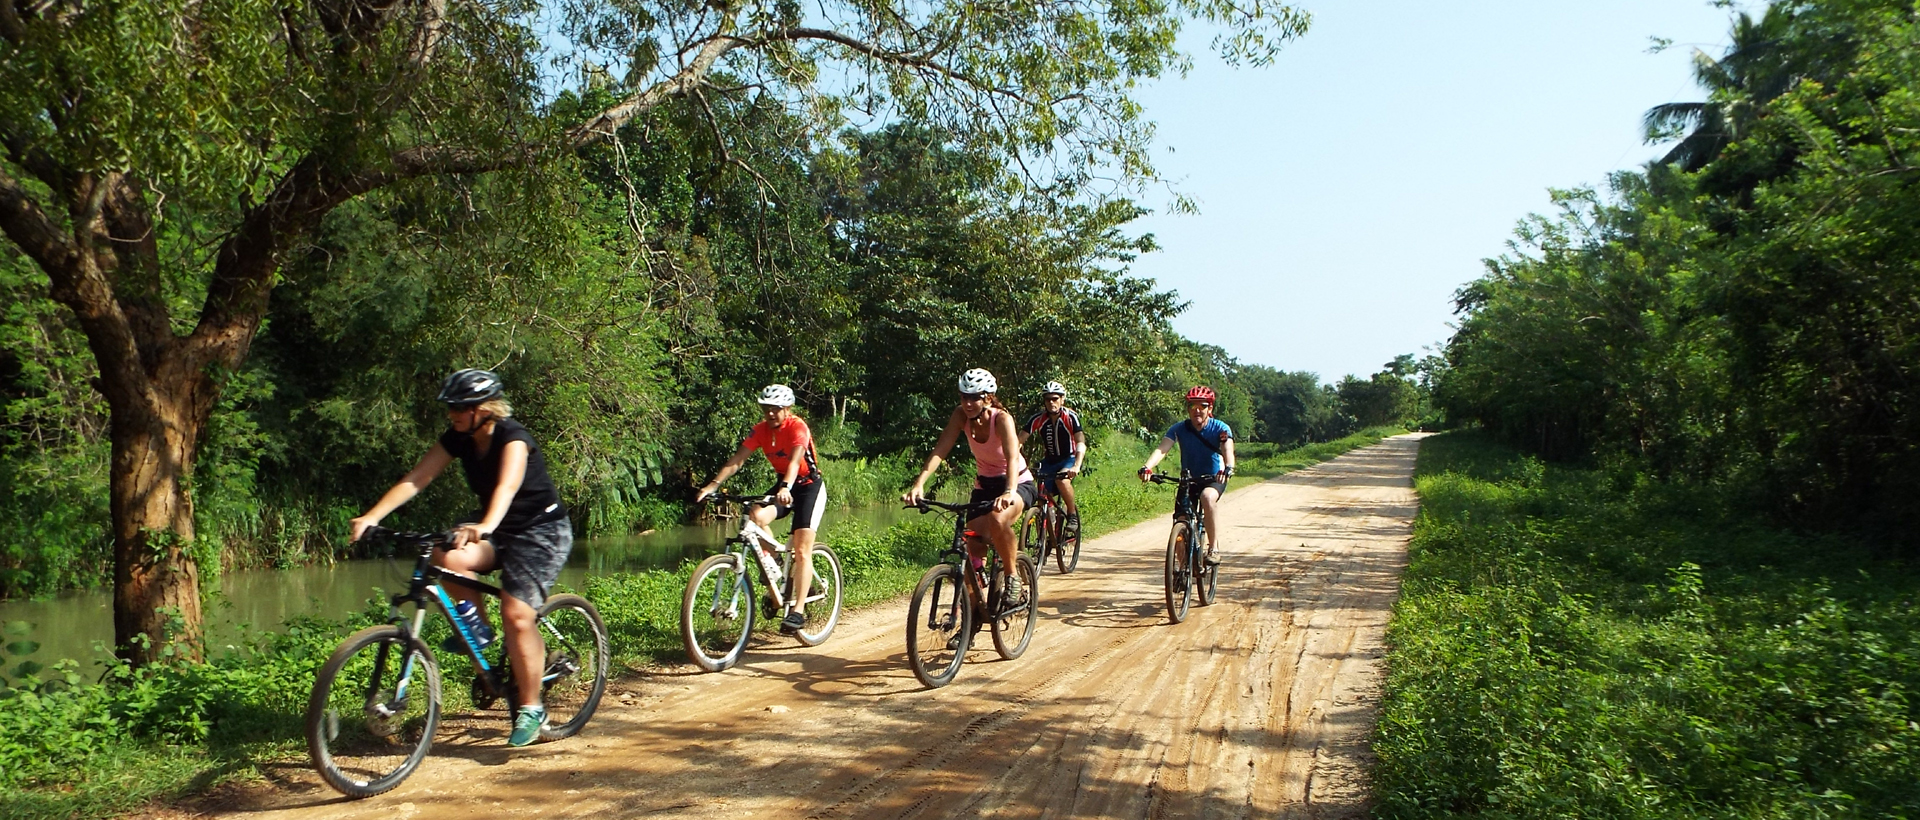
pixel 988 489
pixel 809 503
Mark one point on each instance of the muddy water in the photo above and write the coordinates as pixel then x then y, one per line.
pixel 71 625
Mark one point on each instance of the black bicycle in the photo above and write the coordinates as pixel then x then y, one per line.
pixel 948 602
pixel 1187 566
pixel 1044 532
pixel 368 723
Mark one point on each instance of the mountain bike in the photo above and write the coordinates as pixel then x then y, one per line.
pixel 717 611
pixel 1043 531
pixel 947 603
pixel 1187 567
pixel 369 725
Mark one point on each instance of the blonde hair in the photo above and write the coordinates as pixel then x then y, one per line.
pixel 498 407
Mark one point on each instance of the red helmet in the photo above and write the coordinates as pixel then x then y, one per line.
pixel 1201 393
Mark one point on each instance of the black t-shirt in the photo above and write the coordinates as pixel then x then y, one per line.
pixel 536 503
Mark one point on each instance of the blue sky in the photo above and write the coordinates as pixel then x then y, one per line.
pixel 1350 188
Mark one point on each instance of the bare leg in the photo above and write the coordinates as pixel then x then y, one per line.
pixel 524 647
pixel 1066 495
pixel 802 544
pixel 469 561
pixel 1207 498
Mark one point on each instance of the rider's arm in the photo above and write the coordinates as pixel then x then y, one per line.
pixel 1166 446
pixel 1011 450
pixel 513 470
pixel 436 459
pixel 948 438
pixel 726 470
pixel 1079 450
pixel 1226 452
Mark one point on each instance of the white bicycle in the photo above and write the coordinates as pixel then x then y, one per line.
pixel 718 610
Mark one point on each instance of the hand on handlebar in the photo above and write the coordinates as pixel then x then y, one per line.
pixel 1146 474
pixel 913 496
pixel 1003 501
pixel 467 534
pixel 362 524
pixel 702 494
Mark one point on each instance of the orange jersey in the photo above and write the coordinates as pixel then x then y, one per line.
pixel 792 440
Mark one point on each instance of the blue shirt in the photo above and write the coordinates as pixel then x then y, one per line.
pixel 1197 447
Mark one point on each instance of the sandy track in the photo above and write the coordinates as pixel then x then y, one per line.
pixel 1258 706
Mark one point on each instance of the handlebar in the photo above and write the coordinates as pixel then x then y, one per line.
pixel 424 540
pixel 752 500
pixel 1163 478
pixel 928 505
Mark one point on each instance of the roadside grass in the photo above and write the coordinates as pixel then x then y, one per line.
pixel 85 745
pixel 1589 643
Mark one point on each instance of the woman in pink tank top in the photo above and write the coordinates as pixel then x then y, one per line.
pixel 990 435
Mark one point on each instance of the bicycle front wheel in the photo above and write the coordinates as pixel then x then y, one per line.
pixel 716 613
pixel 823 589
pixel 1013 625
pixel 577 656
pixel 1179 572
pixel 374 708
pixel 939 626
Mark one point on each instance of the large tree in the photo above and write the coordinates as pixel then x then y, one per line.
pixel 163 158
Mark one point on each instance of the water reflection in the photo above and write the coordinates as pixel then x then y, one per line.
pixel 69 626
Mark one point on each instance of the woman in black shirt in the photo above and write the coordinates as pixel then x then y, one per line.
pixel 520 513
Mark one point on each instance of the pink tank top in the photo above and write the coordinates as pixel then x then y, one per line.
pixel 989 460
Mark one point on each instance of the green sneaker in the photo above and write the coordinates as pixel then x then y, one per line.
pixel 526 725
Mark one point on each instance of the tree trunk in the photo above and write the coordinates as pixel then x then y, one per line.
pixel 156 577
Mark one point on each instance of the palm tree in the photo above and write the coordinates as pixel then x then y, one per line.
pixel 1757 68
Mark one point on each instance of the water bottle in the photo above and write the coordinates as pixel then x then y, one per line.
pixel 478 628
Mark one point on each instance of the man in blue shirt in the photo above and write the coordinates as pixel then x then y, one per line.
pixel 1206 451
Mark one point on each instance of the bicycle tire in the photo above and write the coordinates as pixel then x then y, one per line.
pixel 823 585
pixel 1066 550
pixel 575 676
pixel 1033 535
pixel 359 752
pixel 1206 578
pixel 1013 630
pixel 716 612
pixel 939 615
pixel 1178 574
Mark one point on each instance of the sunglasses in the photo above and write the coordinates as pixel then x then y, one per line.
pixel 974 396
pixel 462 408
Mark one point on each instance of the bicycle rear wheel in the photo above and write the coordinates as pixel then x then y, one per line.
pixel 577 656
pixel 716 613
pixel 1012 625
pixel 823 587
pixel 373 711
pixel 939 626
pixel 1179 572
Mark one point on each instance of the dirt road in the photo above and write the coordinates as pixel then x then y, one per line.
pixel 1258 706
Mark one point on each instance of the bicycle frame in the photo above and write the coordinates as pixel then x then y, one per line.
pixel 754 538
pixel 428 584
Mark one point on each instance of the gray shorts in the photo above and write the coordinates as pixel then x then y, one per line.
pixel 530 560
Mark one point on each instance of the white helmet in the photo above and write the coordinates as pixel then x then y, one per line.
pixel 978 380
pixel 1054 387
pixel 778 395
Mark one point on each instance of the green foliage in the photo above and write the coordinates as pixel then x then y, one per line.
pixel 1751 322
pixel 1587 643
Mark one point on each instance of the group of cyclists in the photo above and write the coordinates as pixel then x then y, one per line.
pixel 522 529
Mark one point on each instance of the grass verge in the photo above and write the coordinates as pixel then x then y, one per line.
pixel 1588 643
pixel 78 745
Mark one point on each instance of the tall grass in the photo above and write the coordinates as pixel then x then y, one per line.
pixel 1587 643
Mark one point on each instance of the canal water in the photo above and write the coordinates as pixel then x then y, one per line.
pixel 71 625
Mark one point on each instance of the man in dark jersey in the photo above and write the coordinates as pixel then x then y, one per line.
pixel 521 528
pixel 1063 442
